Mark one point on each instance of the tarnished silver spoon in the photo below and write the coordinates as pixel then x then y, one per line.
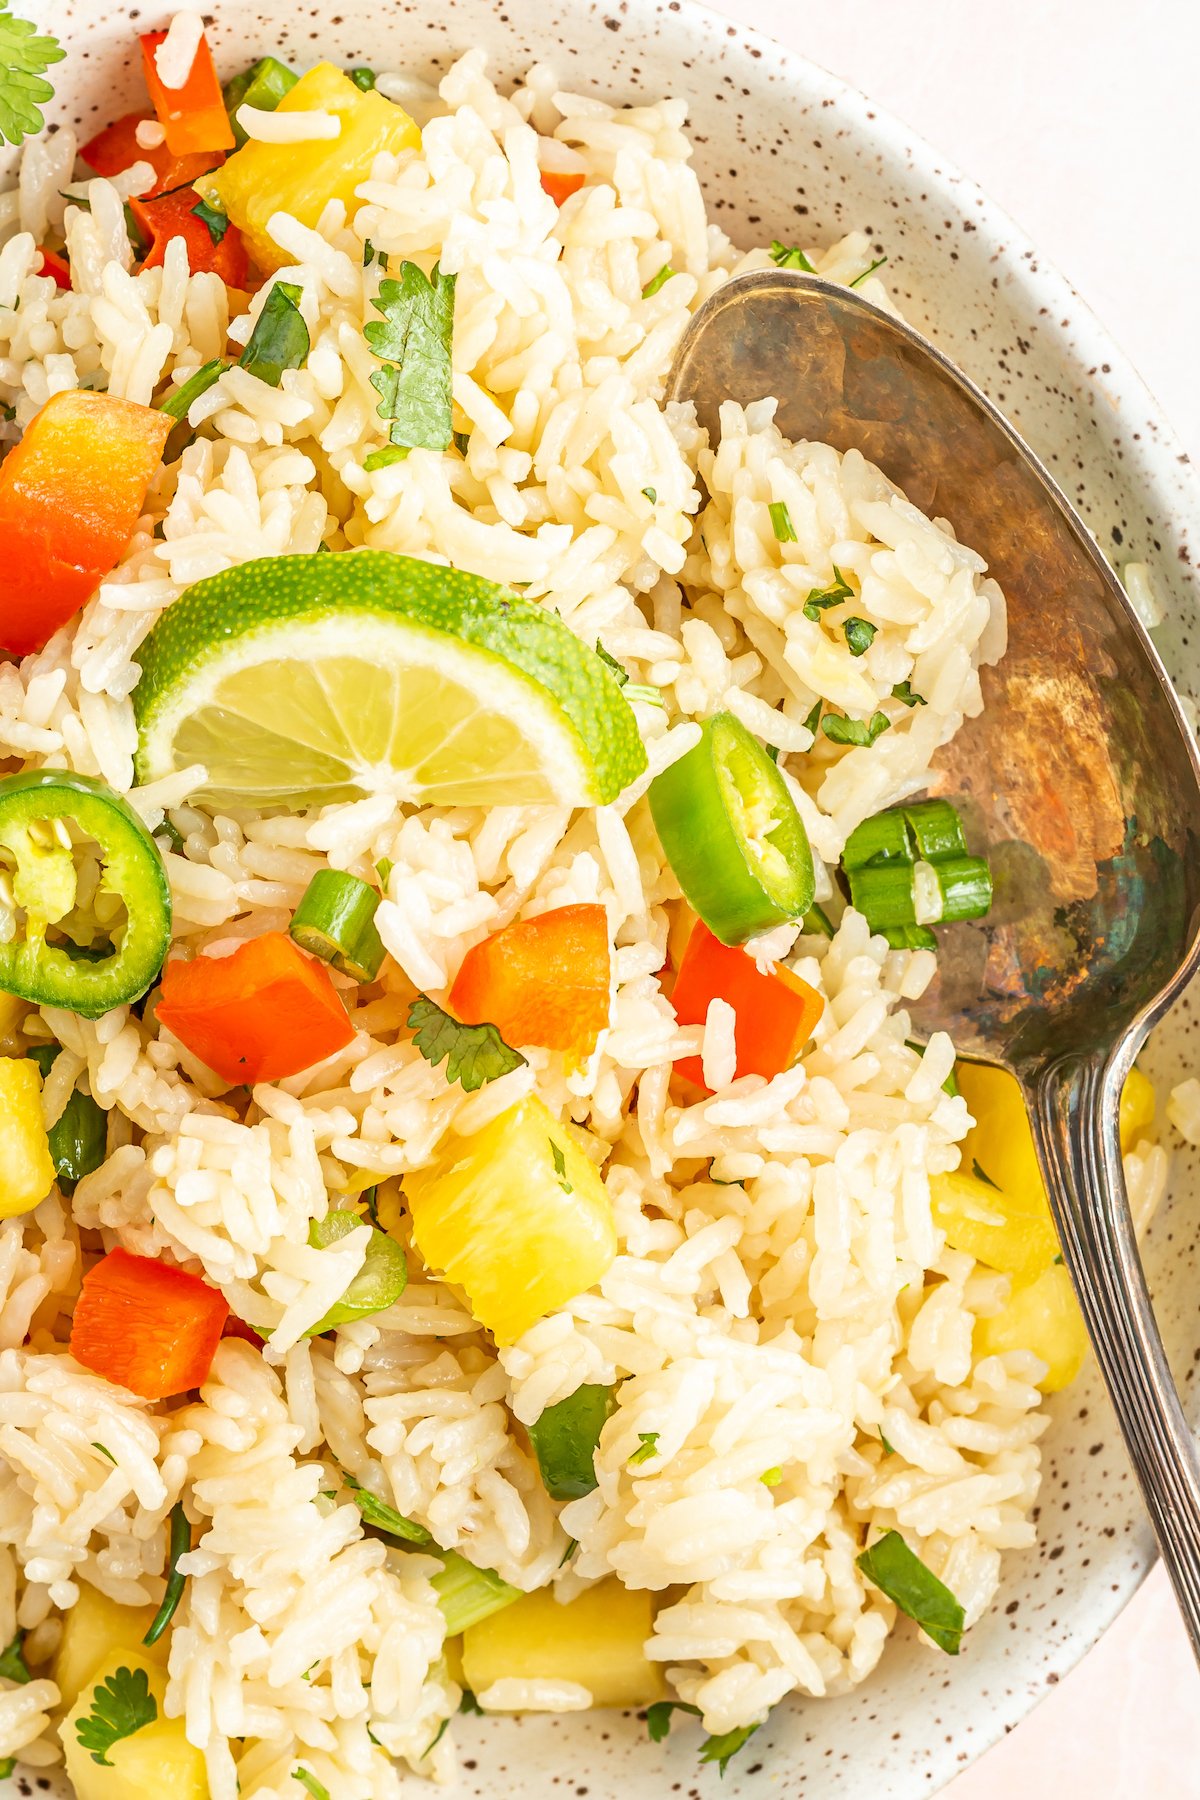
pixel 1080 776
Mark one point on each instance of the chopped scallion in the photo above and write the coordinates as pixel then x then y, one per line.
pixel 179 404
pixel 657 281
pixel 781 522
pixel 180 1544
pixel 336 921
pixel 786 256
pixel 467 1594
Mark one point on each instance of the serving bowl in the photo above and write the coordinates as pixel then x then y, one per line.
pixel 786 150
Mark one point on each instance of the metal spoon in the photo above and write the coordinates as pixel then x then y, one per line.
pixel 1080 776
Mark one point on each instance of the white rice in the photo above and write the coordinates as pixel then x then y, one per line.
pixel 782 1295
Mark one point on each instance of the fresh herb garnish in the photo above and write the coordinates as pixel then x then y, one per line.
pixel 982 1175
pixel 79 200
pixel 181 1543
pixel 620 674
pixel 383 868
pixel 469 1704
pixel 371 254
pixel 436 1739
pixel 657 281
pixel 384 1517
pixel 7 1765
pixel 859 635
pixel 362 78
pixel 814 718
pixel 888 1449
pixel 842 730
pixel 647 1447
pixel 280 337
pixel 13 1666
pixel 474 1054
pixel 380 459
pixel 877 264
pixel 719 1749
pixel 560 1167
pixel 214 218
pixel 651 495
pixel 790 257
pixel 771 1478
pixel 412 340
pixel 833 595
pixel 568 1553
pixel 103 1448
pixel 899 1573
pixel 903 692
pixel 316 1788
pixel 781 522
pixel 121 1705
pixel 179 404
pixel 25 55
pixel 658 1717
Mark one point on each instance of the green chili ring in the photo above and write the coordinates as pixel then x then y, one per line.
pixel 732 835
pixel 43 884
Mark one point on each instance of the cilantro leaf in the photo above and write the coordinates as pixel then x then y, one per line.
pixel 781 522
pixel 842 730
pixel 859 634
pixel 25 55
pixel 468 1703
pixel 120 1706
pixel 474 1054
pixel 560 1167
pixel 888 1449
pixel 280 337
pixel 814 718
pixel 316 1788
pixel 903 692
pixel 785 257
pixel 13 1666
pixel 658 1717
pixel 899 1573
pixel 877 264
pixel 212 216
pixel 371 254
pixel 647 1447
pixel 982 1175
pixel 657 281
pixel 728 1743
pixel 412 340
pixel 384 1517
pixel 833 595
pixel 619 673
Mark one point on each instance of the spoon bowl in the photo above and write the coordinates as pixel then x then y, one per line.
pixel 1080 780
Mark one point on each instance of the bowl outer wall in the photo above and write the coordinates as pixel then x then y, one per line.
pixel 786 150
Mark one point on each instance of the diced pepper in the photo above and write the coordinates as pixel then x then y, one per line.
pixel 71 492
pixel 775 1013
pixel 171 215
pixel 147 1325
pixel 26 1166
pixel 1009 1231
pixel 117 149
pixel 300 179
pixel 262 1014
pixel 517 1216
pixel 546 980
pixel 193 116
pixel 94 1629
pixel 55 265
pixel 261 86
pixel 565 1438
pixel 1137 1109
pixel 598 1640
pixel 560 185
pixel 1042 1316
pixel 150 1763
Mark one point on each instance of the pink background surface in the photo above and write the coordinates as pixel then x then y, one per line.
pixel 1080 117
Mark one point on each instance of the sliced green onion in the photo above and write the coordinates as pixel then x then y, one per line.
pixel 786 256
pixel 383 1517
pixel 362 78
pixel 262 86
pixel 817 923
pixel 911 937
pixel 936 828
pixel 179 404
pixel 732 834
pixel 564 1440
pixel 78 1139
pixel 908 868
pixel 383 868
pixel 781 522
pixel 883 838
pixel 964 886
pixel 467 1594
pixel 381 459
pixel 181 1543
pixel 640 690
pixel 336 921
pixel 884 895
pixel 657 281
pixel 378 1284
pixel 651 495
pixel 280 337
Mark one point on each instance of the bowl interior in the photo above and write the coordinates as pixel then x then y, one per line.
pixel 787 151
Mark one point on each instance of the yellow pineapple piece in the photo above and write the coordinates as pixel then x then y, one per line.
pixel 93 1629
pixel 1042 1316
pixel 1137 1109
pixel 1009 1231
pixel 597 1639
pixel 261 179
pixel 154 1761
pixel 516 1216
pixel 26 1168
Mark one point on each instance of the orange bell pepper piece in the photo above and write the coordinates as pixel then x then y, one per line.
pixel 146 1325
pixel 263 1013
pixel 116 149
pixel 775 1013
pixel 170 215
pixel 560 186
pixel 541 981
pixel 71 493
pixel 193 116
pixel 55 264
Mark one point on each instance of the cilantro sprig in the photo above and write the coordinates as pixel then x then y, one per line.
pixel 899 1573
pixel 13 1666
pixel 790 256
pixel 280 337
pixel 25 55
pixel 120 1706
pixel 412 340
pixel 473 1054
pixel 316 1788
pixel 718 1748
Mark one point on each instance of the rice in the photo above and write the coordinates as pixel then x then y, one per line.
pixel 783 1304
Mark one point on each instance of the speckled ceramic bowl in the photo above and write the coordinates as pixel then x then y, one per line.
pixel 786 150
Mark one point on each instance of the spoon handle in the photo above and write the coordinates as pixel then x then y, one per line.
pixel 1074 1106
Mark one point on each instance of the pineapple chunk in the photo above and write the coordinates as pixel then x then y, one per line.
pixel 1001 1142
pixel 1009 1231
pixel 261 179
pixel 597 1639
pixel 1042 1316
pixel 516 1216
pixel 95 1628
pixel 151 1763
pixel 1137 1109
pixel 26 1168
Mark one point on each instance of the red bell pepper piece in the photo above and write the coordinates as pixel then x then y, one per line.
pixel 263 1013
pixel 116 149
pixel 171 215
pixel 775 1013
pixel 146 1325
pixel 71 493
pixel 542 981
pixel 57 265
pixel 560 186
pixel 193 116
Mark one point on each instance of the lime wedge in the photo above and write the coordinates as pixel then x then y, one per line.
pixel 300 680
